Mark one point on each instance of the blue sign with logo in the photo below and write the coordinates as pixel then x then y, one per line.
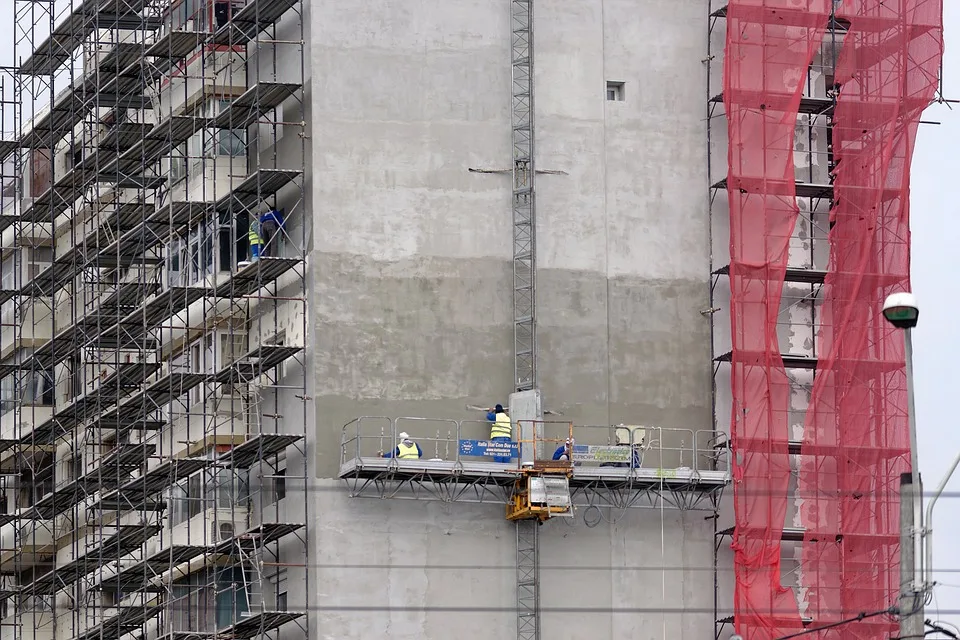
pixel 489 449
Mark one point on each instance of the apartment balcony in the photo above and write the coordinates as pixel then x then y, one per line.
pixel 32 620
pixel 26 544
pixel 30 327
pixel 14 427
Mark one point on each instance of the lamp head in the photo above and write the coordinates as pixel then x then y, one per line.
pixel 900 310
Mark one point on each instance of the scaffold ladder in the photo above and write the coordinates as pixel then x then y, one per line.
pixel 528 579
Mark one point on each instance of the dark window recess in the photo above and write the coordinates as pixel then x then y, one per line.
pixel 225 241
pixel 243 228
pixel 221 13
pixel 41 174
pixel 280 486
pixel 615 91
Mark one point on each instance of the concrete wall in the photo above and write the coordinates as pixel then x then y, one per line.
pixel 401 569
pixel 412 296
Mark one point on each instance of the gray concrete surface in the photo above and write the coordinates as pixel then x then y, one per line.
pixel 412 294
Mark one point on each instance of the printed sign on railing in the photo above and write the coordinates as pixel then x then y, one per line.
pixel 592 453
pixel 489 449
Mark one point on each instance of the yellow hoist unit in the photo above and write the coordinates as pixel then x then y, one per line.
pixel 541 491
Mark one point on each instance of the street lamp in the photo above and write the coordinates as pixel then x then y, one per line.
pixel 900 310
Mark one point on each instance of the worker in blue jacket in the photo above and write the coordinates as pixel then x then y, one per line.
pixel 271 223
pixel 564 451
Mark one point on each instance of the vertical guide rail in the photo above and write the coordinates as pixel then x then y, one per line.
pixel 524 286
pixel 524 219
pixel 528 580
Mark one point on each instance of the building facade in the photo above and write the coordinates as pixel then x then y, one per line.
pixel 247 244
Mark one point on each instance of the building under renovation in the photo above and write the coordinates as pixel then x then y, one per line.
pixel 264 260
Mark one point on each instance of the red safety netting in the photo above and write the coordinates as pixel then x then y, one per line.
pixel 856 440
pixel 848 479
pixel 769 46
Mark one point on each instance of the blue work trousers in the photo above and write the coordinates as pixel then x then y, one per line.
pixel 501 458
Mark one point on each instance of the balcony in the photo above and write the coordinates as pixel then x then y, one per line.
pixel 25 544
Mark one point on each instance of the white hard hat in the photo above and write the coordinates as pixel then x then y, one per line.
pixel 404 435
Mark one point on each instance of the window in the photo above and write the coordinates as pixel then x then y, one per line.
pixel 34 387
pixel 38 388
pixel 192 603
pixel 75 386
pixel 232 347
pixel 8 393
pixel 178 164
pixel 280 485
pixel 230 143
pixel 187 499
pixel 231 596
pixel 41 173
pixel 176 261
pixel 280 582
pixel 40 259
pixel 75 466
pixel 232 488
pixel 615 91
pixel 187 10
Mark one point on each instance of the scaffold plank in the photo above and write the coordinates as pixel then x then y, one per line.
pixel 245 109
pixel 255 188
pixel 254 17
pixel 129 619
pixel 255 363
pixel 254 276
pixel 175 44
pixel 125 541
pixel 255 539
pixel 127 377
pixel 797 361
pixel 135 492
pixel 141 576
pixel 257 448
pixel 113 471
pixel 77 26
pixel 258 624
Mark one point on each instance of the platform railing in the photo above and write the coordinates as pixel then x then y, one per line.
pixel 468 441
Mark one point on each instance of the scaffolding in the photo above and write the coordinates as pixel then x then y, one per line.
pixel 820 103
pixel 153 418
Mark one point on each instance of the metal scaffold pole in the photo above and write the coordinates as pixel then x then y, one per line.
pixel 528 579
pixel 524 219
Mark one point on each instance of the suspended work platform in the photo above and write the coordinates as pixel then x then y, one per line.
pixel 674 468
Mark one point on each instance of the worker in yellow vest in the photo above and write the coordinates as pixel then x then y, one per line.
pixel 501 429
pixel 254 240
pixel 406 449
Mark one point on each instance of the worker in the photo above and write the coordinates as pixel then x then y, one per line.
pixel 623 440
pixel 270 224
pixel 254 239
pixel 501 429
pixel 406 449
pixel 564 451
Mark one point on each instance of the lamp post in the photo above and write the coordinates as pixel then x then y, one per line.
pixel 900 310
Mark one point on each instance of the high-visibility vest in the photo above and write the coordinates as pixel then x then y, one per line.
pixel 253 236
pixel 502 428
pixel 408 451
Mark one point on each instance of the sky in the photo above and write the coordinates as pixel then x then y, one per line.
pixel 935 191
